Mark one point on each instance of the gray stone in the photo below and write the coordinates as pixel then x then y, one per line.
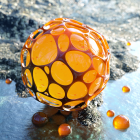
pixel 90 115
pixel 14 47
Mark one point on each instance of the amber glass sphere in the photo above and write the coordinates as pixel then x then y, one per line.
pixel 39 119
pixel 110 113
pixel 8 81
pixel 121 122
pixel 65 64
pixel 125 89
pixel 64 130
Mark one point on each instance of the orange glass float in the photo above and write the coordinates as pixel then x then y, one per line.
pixel 65 64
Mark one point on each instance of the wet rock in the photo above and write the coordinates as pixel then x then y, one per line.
pixel 90 115
pixel 20 87
pixel 115 73
pixel 129 62
pixel 17 27
pixel 121 60
pixel 14 48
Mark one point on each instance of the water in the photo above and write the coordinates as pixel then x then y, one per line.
pixel 16 113
pixel 123 103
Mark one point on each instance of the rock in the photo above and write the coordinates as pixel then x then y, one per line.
pixel 20 87
pixel 129 62
pixel 90 115
pixel 115 73
pixel 121 60
pixel 17 27
pixel 14 47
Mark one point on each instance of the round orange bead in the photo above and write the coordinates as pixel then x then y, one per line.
pixel 8 81
pixel 121 122
pixel 39 119
pixel 125 89
pixel 128 43
pixel 110 113
pixel 64 129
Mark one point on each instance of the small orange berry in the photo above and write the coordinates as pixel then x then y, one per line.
pixel 125 89
pixel 110 113
pixel 64 129
pixel 128 44
pixel 39 119
pixel 8 81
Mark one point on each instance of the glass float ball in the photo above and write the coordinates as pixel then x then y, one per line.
pixel 65 64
